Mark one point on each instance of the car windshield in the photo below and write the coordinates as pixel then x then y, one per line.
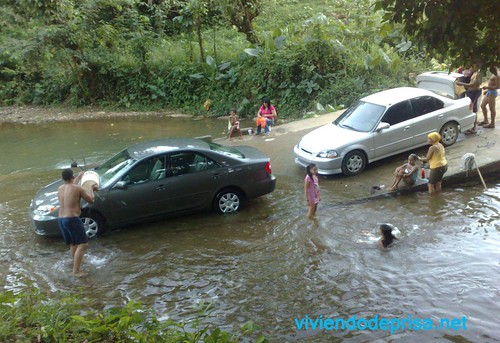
pixel 226 150
pixel 362 116
pixel 113 166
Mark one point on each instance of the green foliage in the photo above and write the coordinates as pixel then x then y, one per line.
pixel 29 316
pixel 241 14
pixel 463 31
pixel 129 54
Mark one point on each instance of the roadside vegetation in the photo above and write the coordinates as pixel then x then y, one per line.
pixel 183 54
pixel 30 316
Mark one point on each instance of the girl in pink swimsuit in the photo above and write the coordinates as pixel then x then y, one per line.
pixel 311 189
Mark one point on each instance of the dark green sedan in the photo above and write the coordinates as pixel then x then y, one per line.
pixel 165 177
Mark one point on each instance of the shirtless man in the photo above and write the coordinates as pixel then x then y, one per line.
pixel 473 92
pixel 489 99
pixel 71 226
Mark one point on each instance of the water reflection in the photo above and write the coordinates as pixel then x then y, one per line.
pixel 269 263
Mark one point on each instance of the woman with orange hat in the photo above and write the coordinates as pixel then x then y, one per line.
pixel 437 162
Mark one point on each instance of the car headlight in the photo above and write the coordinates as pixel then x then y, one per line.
pixel 44 210
pixel 327 154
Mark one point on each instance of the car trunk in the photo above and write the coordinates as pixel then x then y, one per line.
pixel 442 83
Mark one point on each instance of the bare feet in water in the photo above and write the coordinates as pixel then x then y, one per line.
pixel 79 274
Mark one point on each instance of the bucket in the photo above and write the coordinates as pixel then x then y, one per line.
pixel 89 179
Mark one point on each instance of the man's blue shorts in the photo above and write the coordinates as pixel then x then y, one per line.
pixel 72 230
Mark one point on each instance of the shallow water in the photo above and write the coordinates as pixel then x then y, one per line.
pixel 267 263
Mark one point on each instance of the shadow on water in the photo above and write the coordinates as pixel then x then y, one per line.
pixel 267 263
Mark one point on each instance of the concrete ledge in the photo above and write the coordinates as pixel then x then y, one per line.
pixel 490 171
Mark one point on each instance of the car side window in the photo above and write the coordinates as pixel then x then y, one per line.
pixel 425 104
pixel 398 113
pixel 147 170
pixel 189 162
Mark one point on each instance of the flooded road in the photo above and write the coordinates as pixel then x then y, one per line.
pixel 267 263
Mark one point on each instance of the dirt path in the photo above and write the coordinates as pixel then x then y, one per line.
pixel 39 115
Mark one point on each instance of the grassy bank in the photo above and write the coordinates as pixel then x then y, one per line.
pixel 30 316
pixel 311 55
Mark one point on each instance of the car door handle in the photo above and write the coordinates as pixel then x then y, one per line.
pixel 441 116
pixel 161 187
pixel 216 176
pixel 406 128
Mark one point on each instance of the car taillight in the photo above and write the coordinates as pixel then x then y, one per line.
pixel 268 167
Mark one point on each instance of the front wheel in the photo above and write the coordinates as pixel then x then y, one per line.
pixel 449 133
pixel 227 201
pixel 353 163
pixel 93 224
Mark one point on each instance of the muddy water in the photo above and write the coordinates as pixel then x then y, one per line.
pixel 266 263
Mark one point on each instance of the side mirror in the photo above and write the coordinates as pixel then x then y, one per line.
pixel 120 185
pixel 382 126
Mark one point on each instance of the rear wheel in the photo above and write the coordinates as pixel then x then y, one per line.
pixel 93 224
pixel 227 201
pixel 353 163
pixel 449 133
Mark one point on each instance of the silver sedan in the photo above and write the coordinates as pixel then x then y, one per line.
pixel 381 125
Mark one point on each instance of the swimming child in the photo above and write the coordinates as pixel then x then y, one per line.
pixel 234 124
pixel 408 172
pixel 311 189
pixel 388 234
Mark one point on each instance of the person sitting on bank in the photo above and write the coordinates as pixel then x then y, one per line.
pixel 234 124
pixel 407 172
pixel 268 112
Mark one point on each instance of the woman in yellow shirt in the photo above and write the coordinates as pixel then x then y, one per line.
pixel 437 162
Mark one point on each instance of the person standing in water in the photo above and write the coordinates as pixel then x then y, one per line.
pixel 437 162
pixel 311 189
pixel 70 224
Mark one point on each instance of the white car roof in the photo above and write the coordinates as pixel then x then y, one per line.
pixel 395 95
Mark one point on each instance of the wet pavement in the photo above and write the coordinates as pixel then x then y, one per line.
pixel 484 146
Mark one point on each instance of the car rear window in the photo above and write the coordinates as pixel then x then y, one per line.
pixel 425 104
pixel 226 150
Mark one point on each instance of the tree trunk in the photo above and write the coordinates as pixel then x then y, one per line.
pixel 200 39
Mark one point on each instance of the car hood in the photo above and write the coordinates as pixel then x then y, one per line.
pixel 47 195
pixel 329 136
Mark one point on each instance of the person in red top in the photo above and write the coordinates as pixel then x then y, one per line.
pixel 268 112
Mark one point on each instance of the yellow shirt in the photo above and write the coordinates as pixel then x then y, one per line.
pixel 438 160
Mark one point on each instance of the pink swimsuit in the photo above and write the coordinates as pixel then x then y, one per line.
pixel 313 189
